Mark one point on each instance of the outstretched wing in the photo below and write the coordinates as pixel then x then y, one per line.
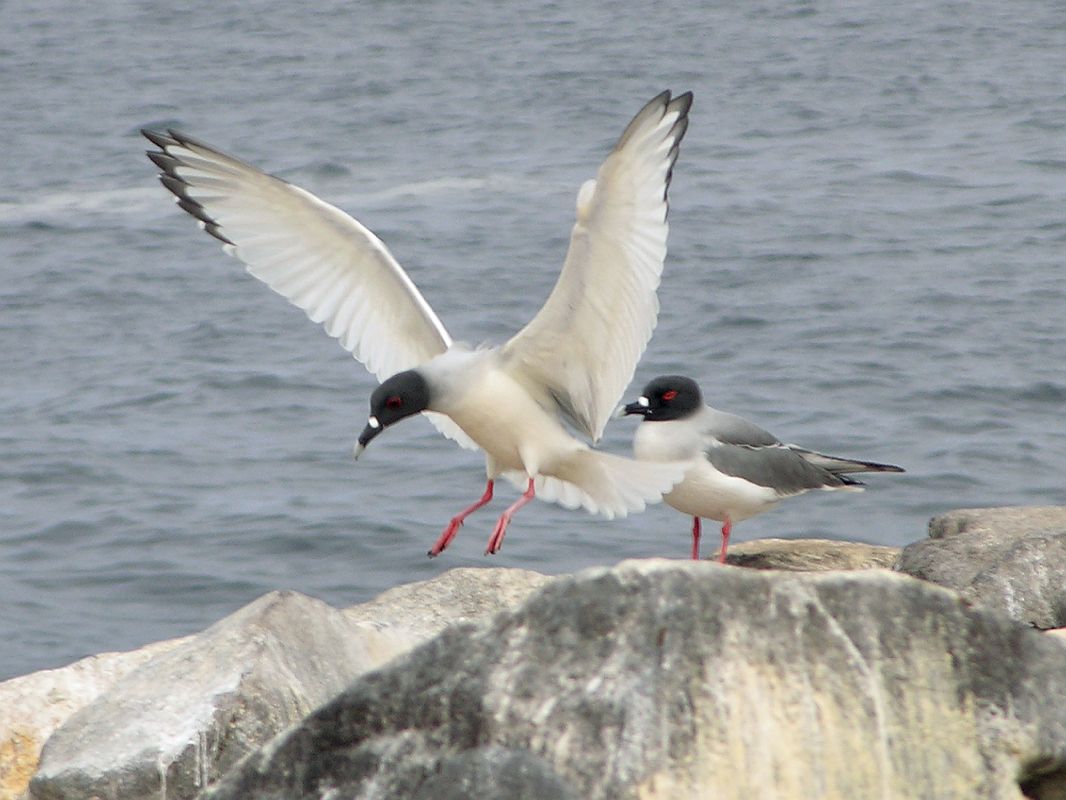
pixel 312 254
pixel 582 347
pixel 309 252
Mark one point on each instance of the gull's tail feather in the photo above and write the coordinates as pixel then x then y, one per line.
pixel 605 484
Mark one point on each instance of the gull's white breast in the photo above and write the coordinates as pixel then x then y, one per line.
pixel 705 491
pixel 497 412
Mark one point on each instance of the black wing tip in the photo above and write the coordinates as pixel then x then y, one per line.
pixel 874 466
pixel 158 138
pixel 164 161
pixel 662 104
pixel 682 103
pixel 193 208
pixel 886 468
pixel 173 182
pixel 175 138
pixel 213 230
pixel 669 101
pixel 661 99
pixel 658 107
pixel 846 466
pixel 184 140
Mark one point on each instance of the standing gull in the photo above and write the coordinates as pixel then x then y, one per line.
pixel 572 361
pixel 736 469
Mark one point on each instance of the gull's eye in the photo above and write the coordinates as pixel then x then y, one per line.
pixel 669 395
pixel 394 402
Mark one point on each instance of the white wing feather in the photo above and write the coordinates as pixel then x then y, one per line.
pixel 582 347
pixel 311 253
pixel 606 484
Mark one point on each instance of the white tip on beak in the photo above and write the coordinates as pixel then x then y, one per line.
pixel 619 412
pixel 374 427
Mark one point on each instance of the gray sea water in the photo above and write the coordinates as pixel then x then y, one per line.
pixel 867 245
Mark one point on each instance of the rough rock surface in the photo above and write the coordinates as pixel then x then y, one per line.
pixel 410 614
pixel 1008 559
pixel 810 555
pixel 672 679
pixel 33 706
pixel 182 719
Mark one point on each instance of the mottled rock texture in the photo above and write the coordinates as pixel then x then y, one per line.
pixel 180 720
pixel 671 679
pixel 408 615
pixel 33 707
pixel 810 555
pixel 1012 560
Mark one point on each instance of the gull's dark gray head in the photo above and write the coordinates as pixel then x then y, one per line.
pixel 402 395
pixel 667 397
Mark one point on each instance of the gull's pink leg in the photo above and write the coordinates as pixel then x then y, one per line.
pixel 453 526
pixel 695 538
pixel 727 526
pixel 496 540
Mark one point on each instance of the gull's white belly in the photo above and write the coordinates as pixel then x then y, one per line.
pixel 705 492
pixel 506 422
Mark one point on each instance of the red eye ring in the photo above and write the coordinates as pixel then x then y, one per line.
pixel 394 402
pixel 669 395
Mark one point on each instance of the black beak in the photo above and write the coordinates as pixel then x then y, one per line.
pixel 372 429
pixel 638 407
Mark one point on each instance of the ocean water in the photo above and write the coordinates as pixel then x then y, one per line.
pixel 867 246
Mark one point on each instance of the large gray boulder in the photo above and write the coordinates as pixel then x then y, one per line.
pixel 179 721
pixel 1012 560
pixel 672 679
pixel 183 718
pixel 34 706
pixel 407 615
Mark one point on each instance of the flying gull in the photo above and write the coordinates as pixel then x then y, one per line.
pixel 571 362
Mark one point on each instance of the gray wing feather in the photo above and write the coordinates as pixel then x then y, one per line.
pixel 742 449
pixel 775 466
pixel 730 429
pixel 839 466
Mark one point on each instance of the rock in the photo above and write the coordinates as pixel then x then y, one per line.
pixel 810 555
pixel 407 615
pixel 674 679
pixel 182 719
pixel 33 706
pixel 1007 559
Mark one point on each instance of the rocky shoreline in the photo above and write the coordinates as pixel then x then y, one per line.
pixel 822 669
